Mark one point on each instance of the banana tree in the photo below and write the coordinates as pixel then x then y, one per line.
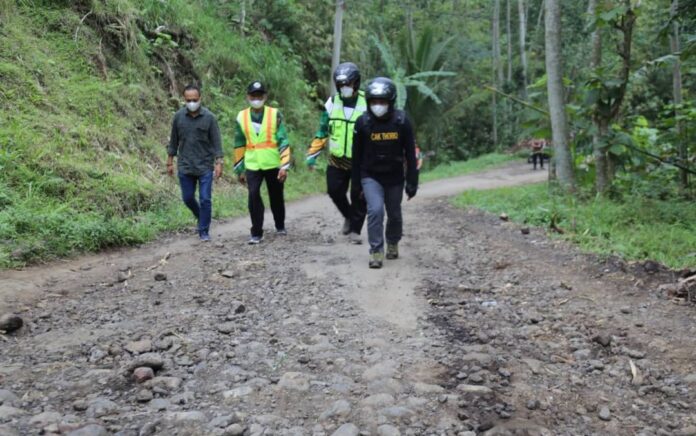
pixel 417 75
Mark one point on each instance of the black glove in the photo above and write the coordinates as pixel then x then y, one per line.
pixel 411 191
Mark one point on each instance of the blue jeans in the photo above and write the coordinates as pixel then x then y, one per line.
pixel 378 199
pixel 203 208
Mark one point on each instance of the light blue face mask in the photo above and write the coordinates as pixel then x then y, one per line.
pixel 346 91
pixel 379 109
pixel 193 106
pixel 256 104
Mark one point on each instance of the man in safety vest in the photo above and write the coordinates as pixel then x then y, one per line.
pixel 383 144
pixel 336 129
pixel 262 152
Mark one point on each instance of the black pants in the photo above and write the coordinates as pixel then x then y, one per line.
pixel 540 156
pixel 275 194
pixel 337 184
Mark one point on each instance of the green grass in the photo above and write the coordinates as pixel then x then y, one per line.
pixel 81 154
pixel 634 229
pixel 86 116
pixel 480 163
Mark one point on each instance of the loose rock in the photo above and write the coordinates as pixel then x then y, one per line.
pixel 347 430
pixel 143 374
pixel 10 322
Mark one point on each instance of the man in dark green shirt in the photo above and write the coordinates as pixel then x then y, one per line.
pixel 195 140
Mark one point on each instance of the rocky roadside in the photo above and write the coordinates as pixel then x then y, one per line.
pixel 514 334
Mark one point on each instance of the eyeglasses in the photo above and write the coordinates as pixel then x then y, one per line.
pixel 191 100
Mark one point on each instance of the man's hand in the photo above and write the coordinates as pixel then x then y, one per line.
pixel 311 163
pixel 282 175
pixel 411 192
pixel 217 172
pixel 242 179
pixel 170 169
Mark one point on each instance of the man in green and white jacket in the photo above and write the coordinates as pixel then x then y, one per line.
pixel 336 129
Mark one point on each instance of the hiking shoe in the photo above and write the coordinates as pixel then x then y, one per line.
pixel 376 259
pixel 355 238
pixel 346 227
pixel 205 237
pixel 392 251
pixel 255 240
pixel 281 232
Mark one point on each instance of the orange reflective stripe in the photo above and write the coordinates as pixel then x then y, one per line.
pixel 247 131
pixel 262 145
pixel 269 124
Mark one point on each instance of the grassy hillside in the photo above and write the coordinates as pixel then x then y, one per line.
pixel 88 90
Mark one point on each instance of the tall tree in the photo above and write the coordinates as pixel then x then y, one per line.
pixel 523 44
pixel 556 95
pixel 338 35
pixel 610 92
pixel 508 31
pixel 677 94
pixel 600 125
pixel 497 66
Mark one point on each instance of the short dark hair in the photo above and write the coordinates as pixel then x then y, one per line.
pixel 193 87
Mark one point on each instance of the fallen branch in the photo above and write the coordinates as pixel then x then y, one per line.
pixel 515 99
pixel 77 29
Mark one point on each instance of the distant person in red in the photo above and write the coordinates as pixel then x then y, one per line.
pixel 419 158
pixel 537 146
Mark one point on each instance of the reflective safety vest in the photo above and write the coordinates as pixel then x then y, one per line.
pixel 340 128
pixel 261 149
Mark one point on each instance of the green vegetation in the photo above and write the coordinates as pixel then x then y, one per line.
pixel 460 168
pixel 88 89
pixel 87 106
pixel 635 228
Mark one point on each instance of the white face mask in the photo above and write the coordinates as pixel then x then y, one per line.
pixel 379 109
pixel 256 104
pixel 346 91
pixel 193 106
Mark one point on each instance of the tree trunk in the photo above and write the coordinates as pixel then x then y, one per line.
pixel 338 31
pixel 497 67
pixel 496 43
pixel 601 127
pixel 554 71
pixel 677 96
pixel 523 45
pixel 242 17
pixel 509 42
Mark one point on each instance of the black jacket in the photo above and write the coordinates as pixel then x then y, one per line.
pixel 383 149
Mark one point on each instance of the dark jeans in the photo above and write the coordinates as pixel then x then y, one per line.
pixel 337 184
pixel 202 209
pixel 538 156
pixel 275 194
pixel 378 199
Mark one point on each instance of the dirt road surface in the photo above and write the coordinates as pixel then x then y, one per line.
pixel 475 329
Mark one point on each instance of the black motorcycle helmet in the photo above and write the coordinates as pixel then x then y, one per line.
pixel 381 88
pixel 346 73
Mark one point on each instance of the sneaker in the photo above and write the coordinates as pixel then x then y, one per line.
pixel 205 237
pixel 392 251
pixel 376 259
pixel 255 240
pixel 354 238
pixel 346 227
pixel 281 232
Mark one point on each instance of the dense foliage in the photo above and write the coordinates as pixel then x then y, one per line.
pixel 89 86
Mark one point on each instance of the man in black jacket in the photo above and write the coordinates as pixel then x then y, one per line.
pixel 382 142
